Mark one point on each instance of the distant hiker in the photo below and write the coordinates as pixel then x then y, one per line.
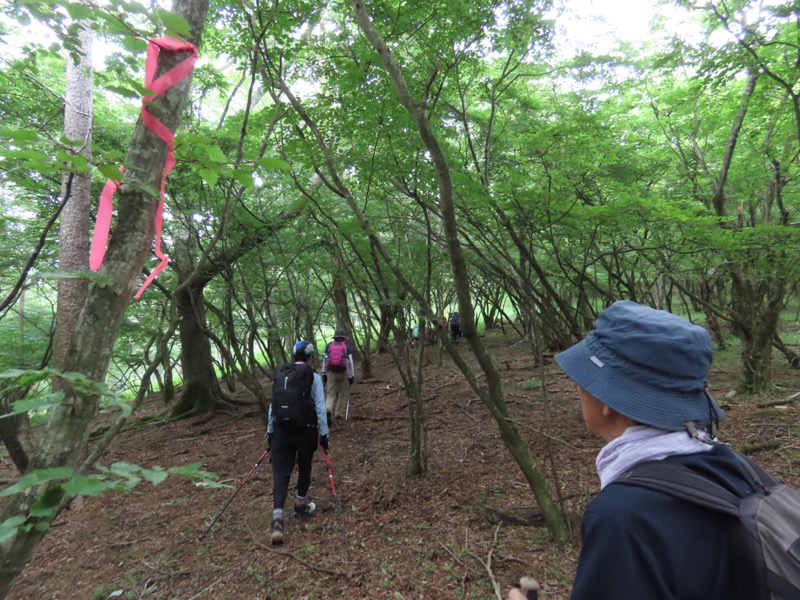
pixel 641 378
pixel 338 373
pixel 415 335
pixel 296 426
pixel 455 327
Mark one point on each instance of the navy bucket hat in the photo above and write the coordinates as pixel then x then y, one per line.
pixel 648 365
pixel 303 348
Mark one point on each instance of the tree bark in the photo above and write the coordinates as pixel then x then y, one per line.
pixel 201 392
pixel 67 431
pixel 491 394
pixel 73 239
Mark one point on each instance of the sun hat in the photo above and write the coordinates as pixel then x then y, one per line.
pixel 646 364
pixel 341 333
pixel 303 347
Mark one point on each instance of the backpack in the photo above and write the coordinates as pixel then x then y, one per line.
pixel 455 320
pixel 337 356
pixel 768 543
pixel 292 405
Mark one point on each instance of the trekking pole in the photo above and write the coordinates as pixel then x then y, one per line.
pixel 255 466
pixel 337 504
pixel 529 587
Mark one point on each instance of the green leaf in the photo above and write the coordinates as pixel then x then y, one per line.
pixel 126 92
pixel 32 404
pixel 134 44
pixel 174 22
pixel 39 477
pixel 30 154
pixel 195 470
pixel 244 177
pixel 216 154
pixel 42 511
pixel 124 469
pixel 20 135
pixel 155 475
pixel 86 486
pixel 110 171
pixel 273 164
pixel 210 177
pixel 10 526
pixel 79 11
pixel 126 408
pixel 78 161
pixel 12 373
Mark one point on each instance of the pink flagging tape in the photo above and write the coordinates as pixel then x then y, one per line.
pixel 158 86
pixel 103 223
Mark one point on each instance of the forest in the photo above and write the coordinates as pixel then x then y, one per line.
pixel 188 189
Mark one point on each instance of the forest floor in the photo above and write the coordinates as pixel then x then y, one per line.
pixel 469 527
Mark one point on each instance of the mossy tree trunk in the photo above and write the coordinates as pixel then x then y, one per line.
pixel 65 443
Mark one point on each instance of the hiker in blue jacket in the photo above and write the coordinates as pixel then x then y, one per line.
pixel 641 377
pixel 296 445
pixel 338 373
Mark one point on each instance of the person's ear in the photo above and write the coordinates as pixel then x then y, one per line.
pixel 608 411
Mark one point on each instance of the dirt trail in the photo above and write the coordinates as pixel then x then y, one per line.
pixel 470 525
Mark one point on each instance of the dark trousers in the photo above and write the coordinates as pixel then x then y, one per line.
pixel 290 447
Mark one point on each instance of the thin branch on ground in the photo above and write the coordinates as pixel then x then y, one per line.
pixel 547 435
pixel 787 400
pixel 487 564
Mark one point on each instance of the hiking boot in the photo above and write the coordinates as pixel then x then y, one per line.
pixel 277 530
pixel 304 510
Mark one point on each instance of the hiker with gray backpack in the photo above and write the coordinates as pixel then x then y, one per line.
pixel 296 426
pixel 338 374
pixel 679 514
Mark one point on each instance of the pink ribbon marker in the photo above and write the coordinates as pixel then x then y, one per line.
pixel 159 86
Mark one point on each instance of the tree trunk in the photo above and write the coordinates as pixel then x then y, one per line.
pixel 201 392
pixel 67 431
pixel 73 239
pixel 757 320
pixel 339 293
pixel 491 394
pixel 9 432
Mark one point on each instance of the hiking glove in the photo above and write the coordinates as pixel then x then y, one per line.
pixel 350 380
pixel 324 379
pixel 323 441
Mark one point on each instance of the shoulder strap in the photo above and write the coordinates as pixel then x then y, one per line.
pixel 759 477
pixel 681 482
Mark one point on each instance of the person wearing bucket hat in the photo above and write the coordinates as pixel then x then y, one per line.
pixel 641 378
pixel 293 436
pixel 338 374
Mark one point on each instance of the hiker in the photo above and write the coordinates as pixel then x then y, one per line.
pixel 415 335
pixel 296 426
pixel 338 374
pixel 641 379
pixel 455 327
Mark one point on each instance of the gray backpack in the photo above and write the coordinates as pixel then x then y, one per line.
pixel 768 544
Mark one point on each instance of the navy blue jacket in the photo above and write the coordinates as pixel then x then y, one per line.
pixel 645 545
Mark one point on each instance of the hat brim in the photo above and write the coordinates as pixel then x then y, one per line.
pixel 658 407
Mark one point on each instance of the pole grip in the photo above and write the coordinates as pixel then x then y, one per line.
pixel 530 587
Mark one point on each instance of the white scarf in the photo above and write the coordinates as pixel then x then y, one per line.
pixel 640 443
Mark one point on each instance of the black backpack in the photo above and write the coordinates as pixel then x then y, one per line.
pixel 292 404
pixel 768 543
